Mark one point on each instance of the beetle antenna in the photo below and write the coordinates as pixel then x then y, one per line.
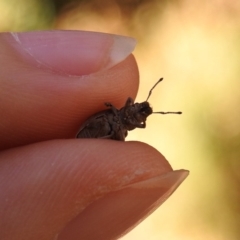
pixel 150 92
pixel 169 112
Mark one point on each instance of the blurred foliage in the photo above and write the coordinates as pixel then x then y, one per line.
pixel 26 15
pixel 195 46
pixel 119 16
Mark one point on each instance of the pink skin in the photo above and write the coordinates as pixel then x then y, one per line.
pixel 53 186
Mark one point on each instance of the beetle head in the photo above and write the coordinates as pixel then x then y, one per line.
pixel 143 110
pixel 135 115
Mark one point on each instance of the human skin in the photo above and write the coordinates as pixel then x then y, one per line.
pixel 53 186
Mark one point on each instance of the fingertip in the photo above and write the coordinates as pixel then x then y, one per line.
pixel 71 52
pixel 50 105
pixel 117 212
pixel 54 181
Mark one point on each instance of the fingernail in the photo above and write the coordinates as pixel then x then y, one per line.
pixel 118 212
pixel 73 52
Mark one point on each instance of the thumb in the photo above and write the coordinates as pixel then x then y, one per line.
pixel 81 188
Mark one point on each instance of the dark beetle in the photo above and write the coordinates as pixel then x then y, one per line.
pixel 115 123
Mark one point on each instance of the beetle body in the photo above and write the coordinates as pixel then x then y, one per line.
pixel 115 123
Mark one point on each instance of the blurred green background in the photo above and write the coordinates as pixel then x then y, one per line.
pixel 195 46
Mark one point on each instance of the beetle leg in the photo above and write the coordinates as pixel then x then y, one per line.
pixel 129 102
pixel 139 125
pixel 108 136
pixel 115 111
pixel 142 125
pixel 108 104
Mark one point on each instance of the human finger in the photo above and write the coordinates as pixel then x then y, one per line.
pixel 52 81
pixel 79 189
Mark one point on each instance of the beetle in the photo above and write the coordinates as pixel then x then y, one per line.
pixel 114 123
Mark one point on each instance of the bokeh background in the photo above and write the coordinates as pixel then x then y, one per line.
pixel 195 46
